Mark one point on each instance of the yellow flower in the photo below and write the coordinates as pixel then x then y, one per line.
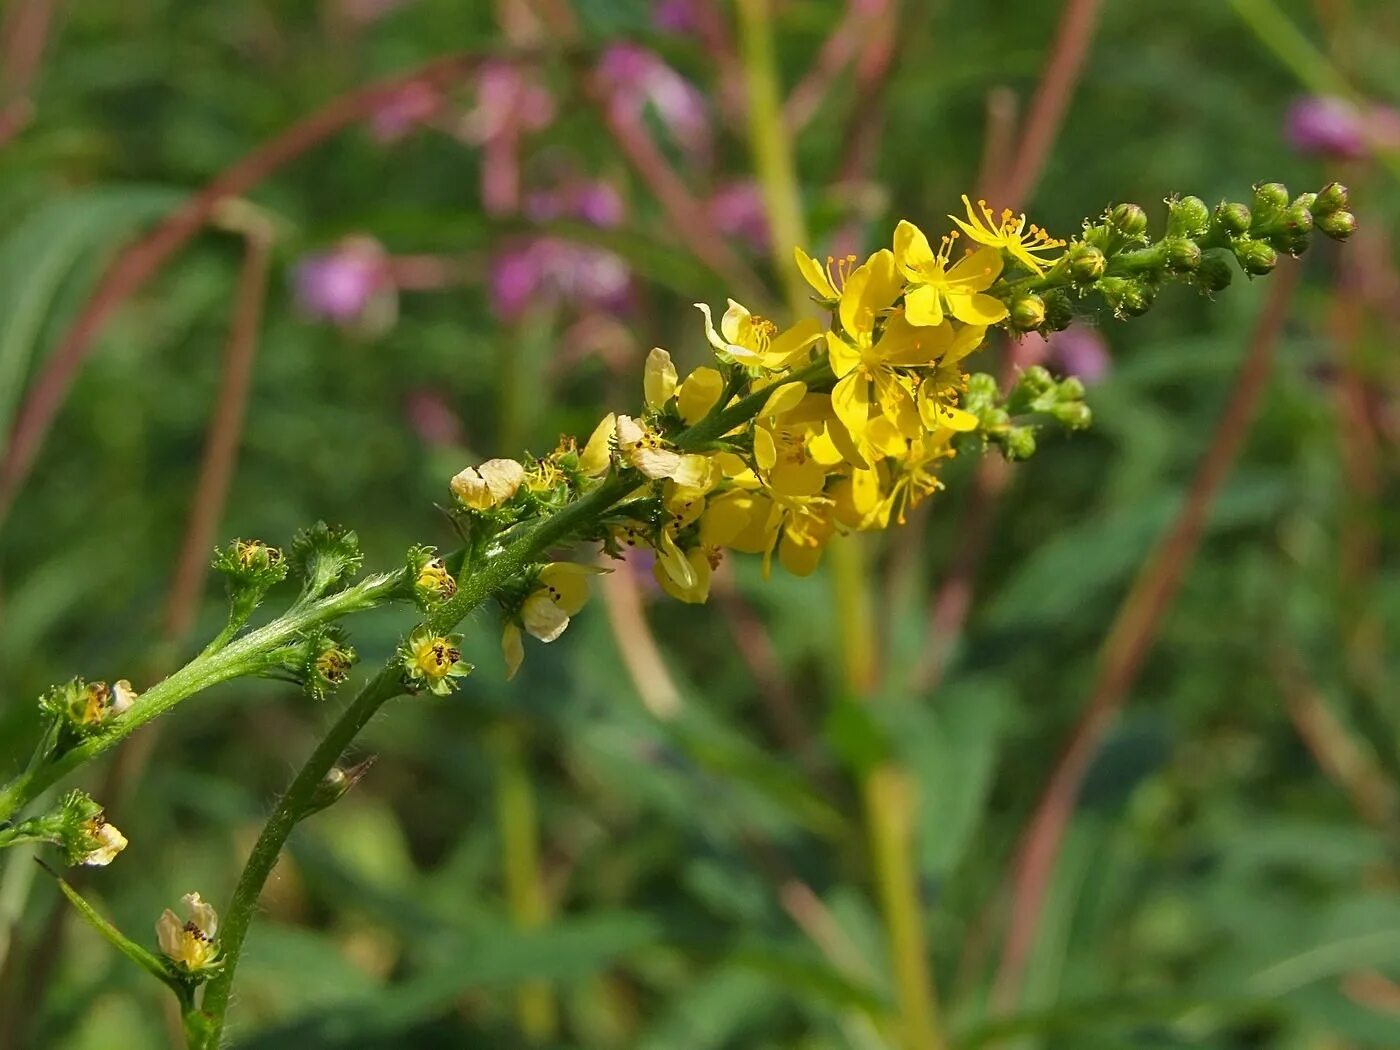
pixel 757 341
pixel 827 281
pixel 781 434
pixel 433 660
pixel 644 449
pixel 1010 235
pixel 936 290
pixel 488 485
pixel 896 487
pixel 700 561
pixel 190 944
pixel 866 366
pixel 105 842
pixel 560 592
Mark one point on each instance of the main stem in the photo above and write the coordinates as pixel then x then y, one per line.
pixel 888 799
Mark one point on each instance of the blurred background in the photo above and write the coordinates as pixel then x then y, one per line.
pixel 1131 702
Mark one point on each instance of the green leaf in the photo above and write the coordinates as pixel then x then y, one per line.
pixel 40 254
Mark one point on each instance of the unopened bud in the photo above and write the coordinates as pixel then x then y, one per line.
pixel 1086 263
pixel 1234 218
pixel 1339 225
pixel 1074 415
pixel 1187 217
pixel 1305 200
pixel 1018 443
pixel 1028 312
pixel 1270 198
pixel 1215 273
pixel 1059 311
pixel 1256 257
pixel 335 784
pixel 1037 379
pixel 1071 388
pixel 1331 198
pixel 1127 297
pixel 1129 220
pixel 1183 255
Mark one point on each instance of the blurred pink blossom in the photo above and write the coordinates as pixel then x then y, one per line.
pixel 416 103
pixel 1078 351
pixel 432 419
pixel 342 284
pixel 736 209
pixel 594 201
pixel 675 16
pixel 548 270
pixel 1334 127
pixel 637 78
pixel 510 102
pixel 364 12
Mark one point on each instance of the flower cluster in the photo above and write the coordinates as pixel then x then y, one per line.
pixel 792 435
pixel 78 826
pixel 84 708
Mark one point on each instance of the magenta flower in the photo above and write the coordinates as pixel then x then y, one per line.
pixel 342 284
pixel 637 78
pixel 1333 127
pixel 1077 351
pixel 551 270
pixel 415 104
pixel 736 210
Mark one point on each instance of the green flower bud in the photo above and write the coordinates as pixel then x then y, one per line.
pixel 1187 217
pixel 1331 198
pixel 1233 218
pixel 1339 225
pixel 325 555
pixel 1256 257
pixel 981 392
pixel 1305 200
pixel 1037 380
pixel 1027 312
pixel 1270 198
pixel 1129 220
pixel 1128 297
pixel 250 564
pixel 1071 388
pixel 1183 256
pixel 1059 311
pixel 1074 415
pixel 1018 443
pixel 1215 273
pixel 1086 263
pixel 327 664
pixel 335 784
pixel 86 707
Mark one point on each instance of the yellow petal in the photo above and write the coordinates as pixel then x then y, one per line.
pixel 843 355
pixel 542 617
pixel 597 453
pixel 512 648
pixel 977 308
pixel 734 323
pixel 765 453
pixel 967 339
pixel 851 400
pixel 503 477
pixel 699 393
pixel 566 583
pixel 798 559
pixel 922 306
pixel 658 378
pixel 814 273
pixel 977 270
pixel 783 399
pixel 676 565
pixel 912 251
pixel 792 343
pixel 725 517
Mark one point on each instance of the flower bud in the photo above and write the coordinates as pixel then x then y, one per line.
pixel 1018 443
pixel 1331 198
pixel 1037 380
pixel 1183 256
pixel 328 663
pixel 1256 257
pixel 1187 217
pixel 1234 218
pixel 1059 311
pixel 1305 200
pixel 1270 198
pixel 1071 388
pixel 1126 296
pixel 1073 415
pixel 1215 273
pixel 335 784
pixel 1086 263
pixel 1027 312
pixel 1339 225
pixel 325 555
pixel 432 583
pixel 1129 220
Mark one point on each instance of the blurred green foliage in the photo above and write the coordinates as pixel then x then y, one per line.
pixel 1216 887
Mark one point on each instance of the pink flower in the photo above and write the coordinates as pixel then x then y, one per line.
pixel 736 209
pixel 432 419
pixel 1333 127
pixel 1078 351
pixel 414 104
pixel 348 285
pixel 595 202
pixel 551 270
pixel 637 78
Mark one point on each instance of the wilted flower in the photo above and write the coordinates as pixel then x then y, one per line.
pixel 190 944
pixel 489 485
pixel 105 843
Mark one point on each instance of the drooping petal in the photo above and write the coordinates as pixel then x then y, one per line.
pixel 851 400
pixel 512 648
pixel 673 560
pixel 596 457
pixel 658 378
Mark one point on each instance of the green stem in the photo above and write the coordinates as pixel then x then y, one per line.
pixel 485 579
pixel 519 822
pixel 246 655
